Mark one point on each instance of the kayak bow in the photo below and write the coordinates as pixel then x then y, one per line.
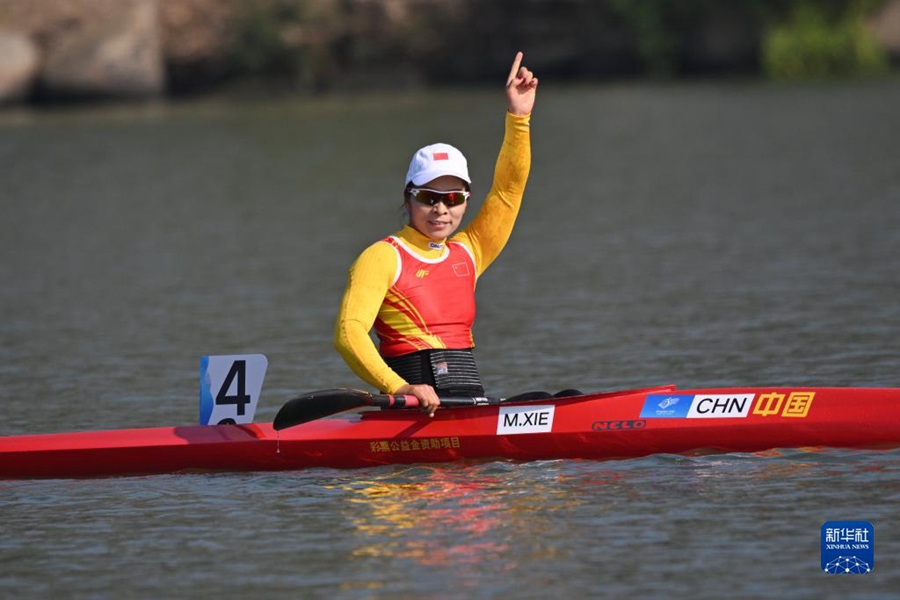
pixel 596 426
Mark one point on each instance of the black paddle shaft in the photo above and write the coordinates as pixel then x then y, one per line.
pixel 407 401
pixel 317 405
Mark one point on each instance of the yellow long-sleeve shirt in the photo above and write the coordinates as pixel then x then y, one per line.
pixel 373 273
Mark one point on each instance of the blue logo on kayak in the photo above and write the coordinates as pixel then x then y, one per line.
pixel 848 547
pixel 667 403
pixel 666 406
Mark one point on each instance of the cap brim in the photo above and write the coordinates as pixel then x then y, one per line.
pixel 426 176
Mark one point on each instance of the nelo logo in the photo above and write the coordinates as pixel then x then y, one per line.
pixel 618 425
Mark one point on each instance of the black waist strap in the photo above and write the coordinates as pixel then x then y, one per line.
pixel 449 372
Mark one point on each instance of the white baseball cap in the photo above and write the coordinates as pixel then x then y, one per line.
pixel 435 161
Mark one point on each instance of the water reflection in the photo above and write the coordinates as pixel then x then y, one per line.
pixel 439 518
pixel 512 513
pixel 456 515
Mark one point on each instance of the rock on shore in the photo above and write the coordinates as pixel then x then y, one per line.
pixel 886 27
pixel 19 64
pixel 120 57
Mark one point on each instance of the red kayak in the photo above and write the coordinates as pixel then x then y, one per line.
pixel 595 426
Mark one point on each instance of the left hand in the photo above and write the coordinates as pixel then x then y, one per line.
pixel 521 86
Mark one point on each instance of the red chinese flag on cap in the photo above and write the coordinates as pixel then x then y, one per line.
pixel 440 156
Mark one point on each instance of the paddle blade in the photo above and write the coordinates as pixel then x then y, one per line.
pixel 317 405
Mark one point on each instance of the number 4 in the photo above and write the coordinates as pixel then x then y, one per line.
pixel 241 399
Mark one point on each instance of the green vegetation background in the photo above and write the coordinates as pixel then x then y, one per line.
pixel 317 46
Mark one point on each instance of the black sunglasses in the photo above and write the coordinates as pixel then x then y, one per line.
pixel 432 197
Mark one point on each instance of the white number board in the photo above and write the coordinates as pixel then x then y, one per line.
pixel 230 387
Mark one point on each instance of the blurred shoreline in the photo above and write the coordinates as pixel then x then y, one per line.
pixel 221 103
pixel 89 51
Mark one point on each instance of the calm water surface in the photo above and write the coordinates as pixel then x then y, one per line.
pixel 702 235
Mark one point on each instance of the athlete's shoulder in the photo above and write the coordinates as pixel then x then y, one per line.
pixel 379 250
pixel 462 239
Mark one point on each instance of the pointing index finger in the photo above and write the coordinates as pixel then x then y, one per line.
pixel 515 68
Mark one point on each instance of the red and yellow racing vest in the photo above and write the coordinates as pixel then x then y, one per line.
pixel 431 303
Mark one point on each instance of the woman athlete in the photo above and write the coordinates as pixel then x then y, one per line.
pixel 417 286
